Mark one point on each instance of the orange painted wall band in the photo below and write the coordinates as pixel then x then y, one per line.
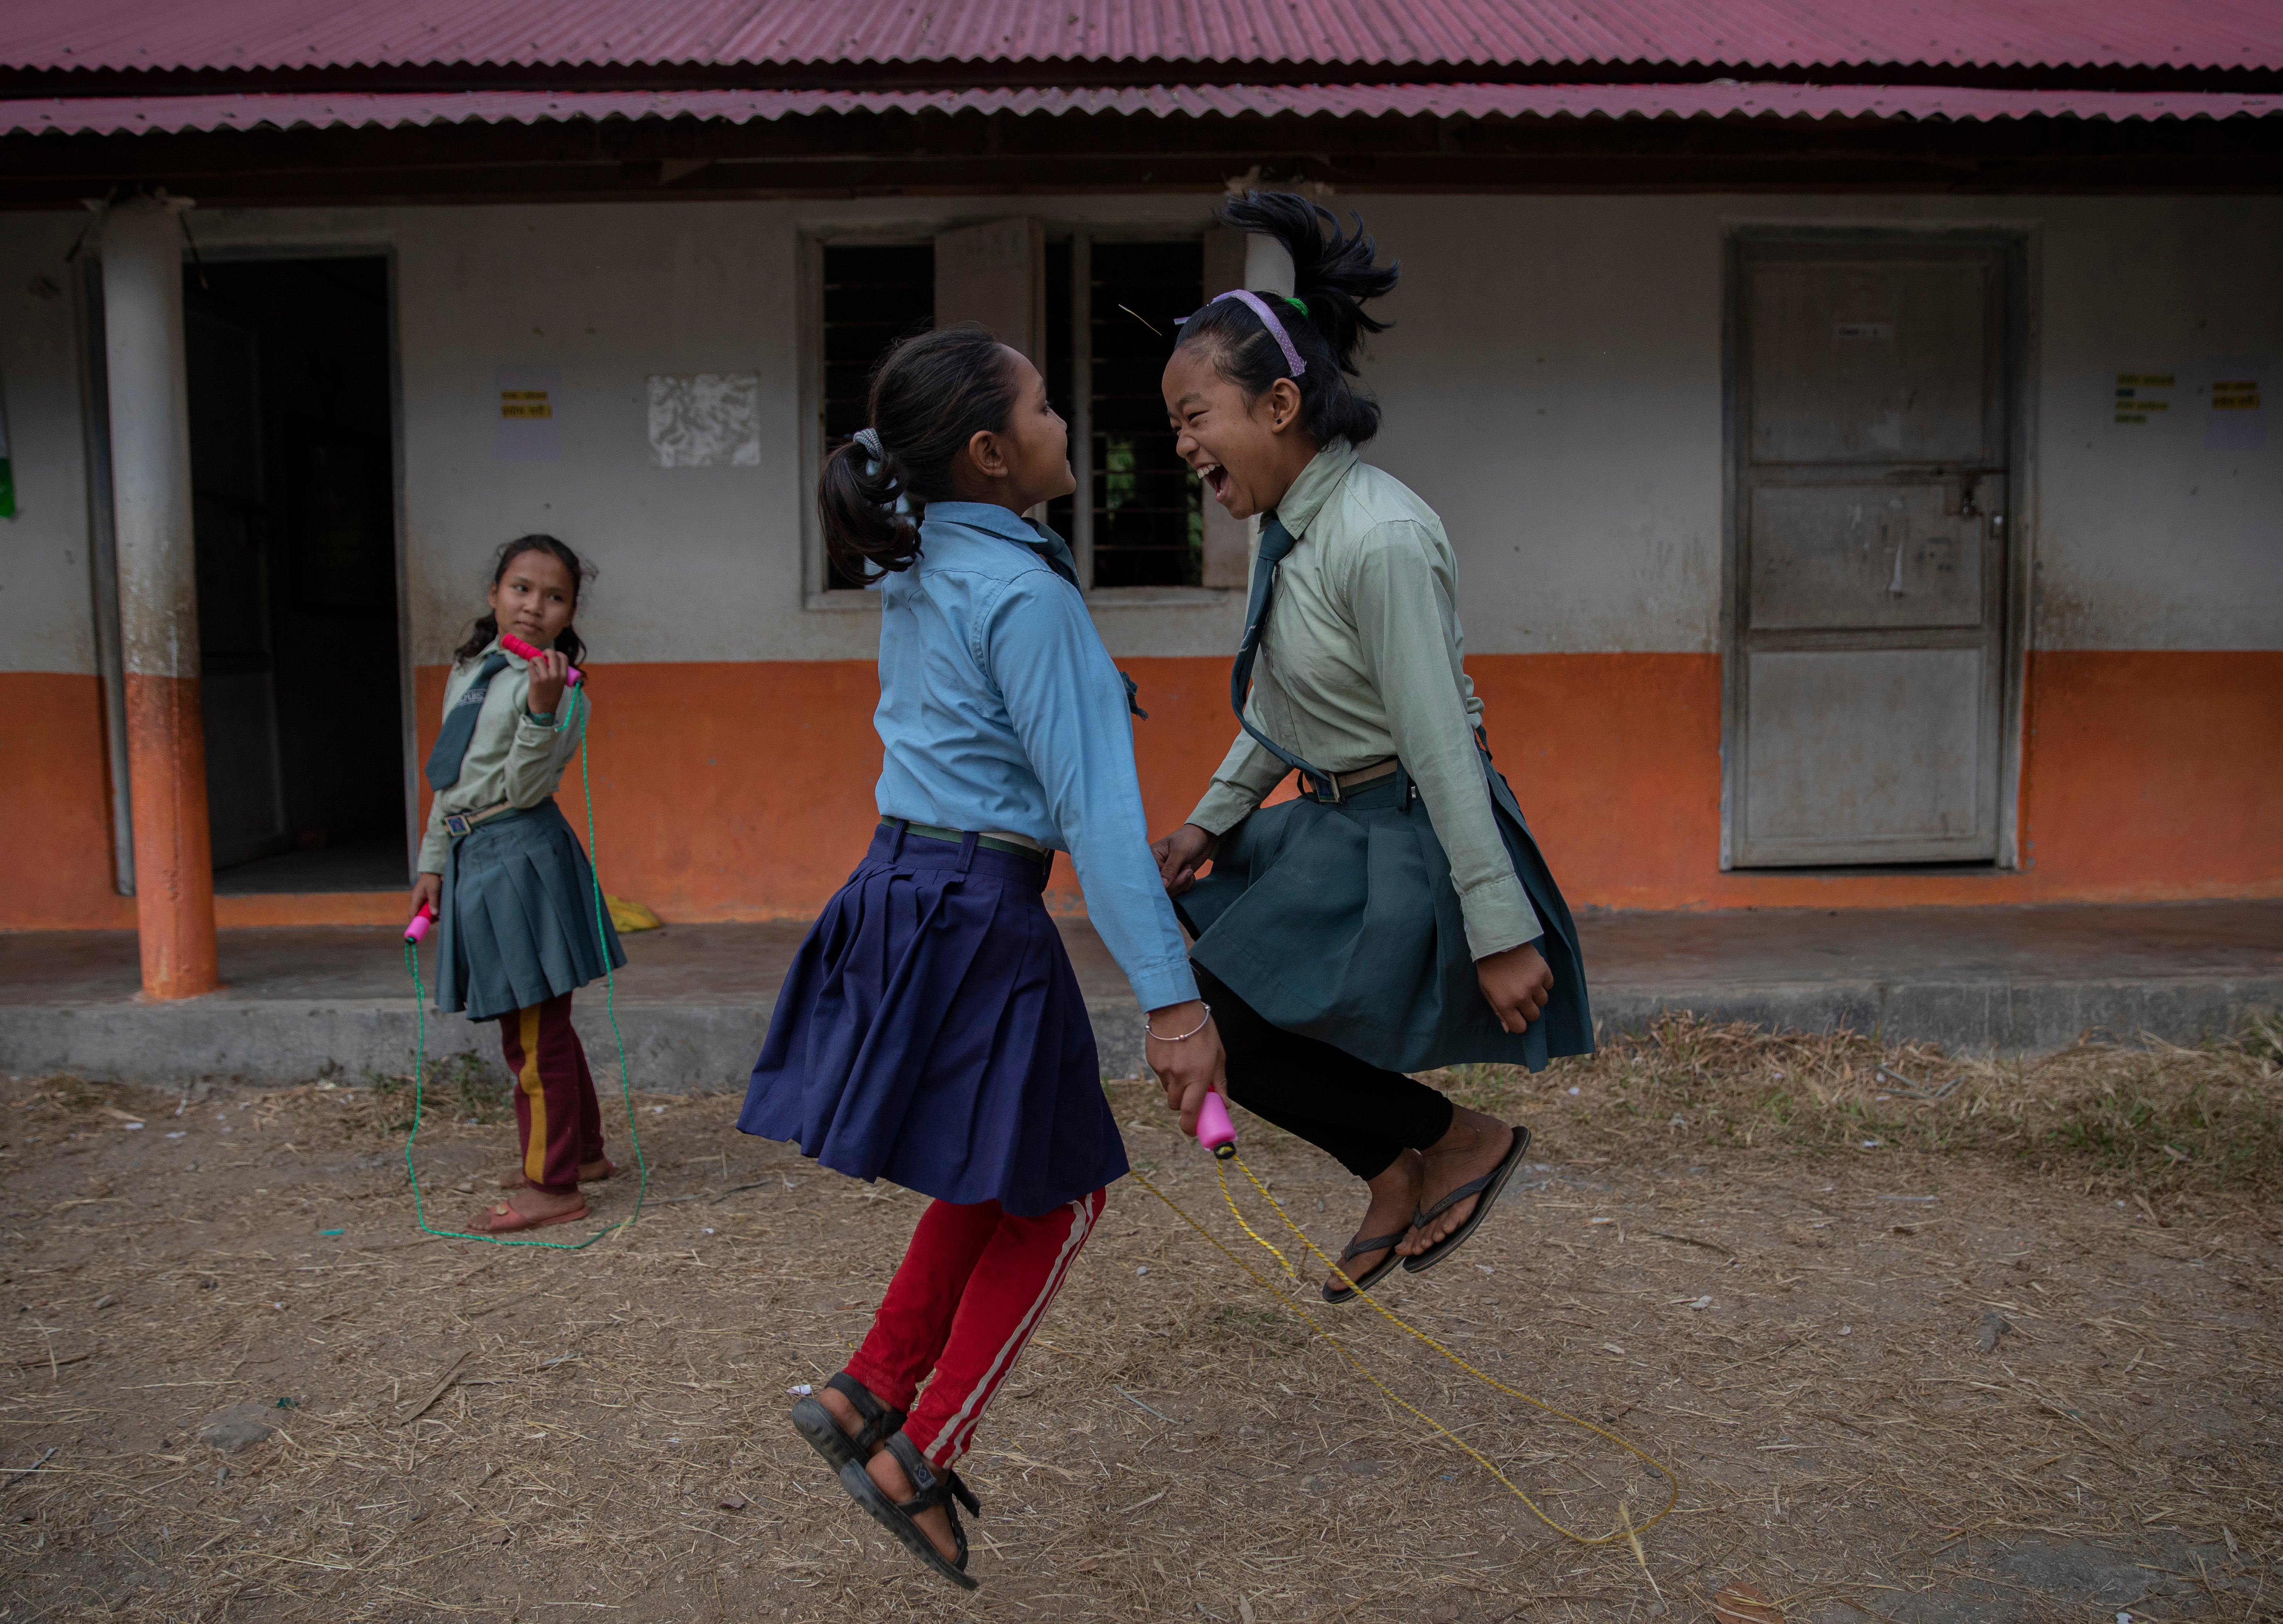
pixel 745 791
pixel 173 863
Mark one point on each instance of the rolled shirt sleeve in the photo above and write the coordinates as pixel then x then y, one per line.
pixel 1240 784
pixel 1067 705
pixel 538 754
pixel 435 845
pixel 1406 627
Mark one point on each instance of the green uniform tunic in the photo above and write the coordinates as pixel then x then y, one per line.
pixel 518 915
pixel 1359 922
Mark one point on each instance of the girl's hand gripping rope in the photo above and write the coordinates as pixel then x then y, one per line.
pixel 1183 1048
pixel 1215 1131
pixel 427 898
pixel 569 674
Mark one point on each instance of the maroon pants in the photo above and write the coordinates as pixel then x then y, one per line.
pixel 557 1119
pixel 972 1287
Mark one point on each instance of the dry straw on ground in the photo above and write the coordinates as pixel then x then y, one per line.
pixel 2006 1354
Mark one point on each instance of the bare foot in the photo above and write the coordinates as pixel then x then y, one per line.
pixel 886 1471
pixel 1394 1199
pixel 1474 1146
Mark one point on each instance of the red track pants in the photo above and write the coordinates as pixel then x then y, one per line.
pixel 972 1287
pixel 557 1119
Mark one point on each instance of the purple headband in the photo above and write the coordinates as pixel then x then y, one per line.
pixel 1268 320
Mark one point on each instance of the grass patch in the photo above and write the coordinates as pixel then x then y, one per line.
pixel 2156 1120
pixel 455 1088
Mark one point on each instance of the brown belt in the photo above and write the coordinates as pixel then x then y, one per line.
pixel 460 824
pixel 1333 786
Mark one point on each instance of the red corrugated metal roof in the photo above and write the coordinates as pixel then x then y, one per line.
pixel 138 113
pixel 300 34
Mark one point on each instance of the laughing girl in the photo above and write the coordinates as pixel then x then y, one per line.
pixel 1397 916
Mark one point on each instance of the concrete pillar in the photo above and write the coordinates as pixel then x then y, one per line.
pixel 158 597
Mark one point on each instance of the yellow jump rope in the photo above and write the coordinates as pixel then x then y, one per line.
pixel 1214 1132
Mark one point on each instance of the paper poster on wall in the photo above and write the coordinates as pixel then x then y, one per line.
pixel 705 420
pixel 2145 400
pixel 2235 412
pixel 528 429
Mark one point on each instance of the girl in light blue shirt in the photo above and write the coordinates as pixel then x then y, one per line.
pixel 931 1030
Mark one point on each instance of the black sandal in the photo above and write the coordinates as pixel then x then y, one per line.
pixel 932 1489
pixel 1488 1187
pixel 1372 1275
pixel 815 1422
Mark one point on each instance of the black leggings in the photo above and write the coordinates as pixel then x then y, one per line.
pixel 1362 1116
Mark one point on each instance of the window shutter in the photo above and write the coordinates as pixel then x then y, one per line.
pixel 995 275
pixel 1228 542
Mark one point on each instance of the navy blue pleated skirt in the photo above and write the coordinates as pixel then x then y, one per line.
pixel 931 1032
pixel 517 917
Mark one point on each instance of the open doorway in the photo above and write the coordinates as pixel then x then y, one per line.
pixel 293 504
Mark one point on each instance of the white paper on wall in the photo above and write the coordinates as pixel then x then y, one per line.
pixel 528 429
pixel 705 419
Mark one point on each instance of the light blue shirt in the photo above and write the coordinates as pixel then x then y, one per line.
pixel 1000 709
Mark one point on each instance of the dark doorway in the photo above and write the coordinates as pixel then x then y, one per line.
pixel 294 500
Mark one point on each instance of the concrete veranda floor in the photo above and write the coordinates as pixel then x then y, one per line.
pixel 694 999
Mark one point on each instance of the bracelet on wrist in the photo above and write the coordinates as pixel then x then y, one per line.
pixel 1185 1036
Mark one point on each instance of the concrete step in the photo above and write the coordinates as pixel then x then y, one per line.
pixel 694 1000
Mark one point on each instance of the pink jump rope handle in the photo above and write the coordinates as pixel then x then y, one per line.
pixel 417 930
pixel 1215 1131
pixel 521 650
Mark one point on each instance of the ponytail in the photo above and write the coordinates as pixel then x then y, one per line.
pixel 1322 319
pixel 931 394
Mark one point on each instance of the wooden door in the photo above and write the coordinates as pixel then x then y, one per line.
pixel 1871 446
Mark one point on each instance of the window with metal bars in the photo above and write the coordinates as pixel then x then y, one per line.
pixel 1119 302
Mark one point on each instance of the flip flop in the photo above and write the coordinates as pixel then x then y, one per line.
pixel 896 1516
pixel 504 1220
pixel 1372 1275
pixel 1488 1187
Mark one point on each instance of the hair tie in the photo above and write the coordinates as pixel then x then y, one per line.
pixel 1253 302
pixel 870 439
pixel 1299 305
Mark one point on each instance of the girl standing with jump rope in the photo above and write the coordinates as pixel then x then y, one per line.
pixel 931 1030
pixel 1397 916
pixel 508 879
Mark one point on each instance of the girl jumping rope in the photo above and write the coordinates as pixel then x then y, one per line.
pixel 931 1030
pixel 508 880
pixel 1397 916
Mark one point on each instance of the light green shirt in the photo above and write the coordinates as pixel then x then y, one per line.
pixel 1363 659
pixel 511 757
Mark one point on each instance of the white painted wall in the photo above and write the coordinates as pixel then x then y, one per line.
pixel 1554 390
pixel 1554 387
pixel 47 619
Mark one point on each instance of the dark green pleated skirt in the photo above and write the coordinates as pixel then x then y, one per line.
pixel 517 921
pixel 1340 923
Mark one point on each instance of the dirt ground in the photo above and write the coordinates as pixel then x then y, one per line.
pixel 2008 1355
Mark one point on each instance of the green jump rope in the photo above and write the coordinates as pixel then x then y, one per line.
pixel 578 711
